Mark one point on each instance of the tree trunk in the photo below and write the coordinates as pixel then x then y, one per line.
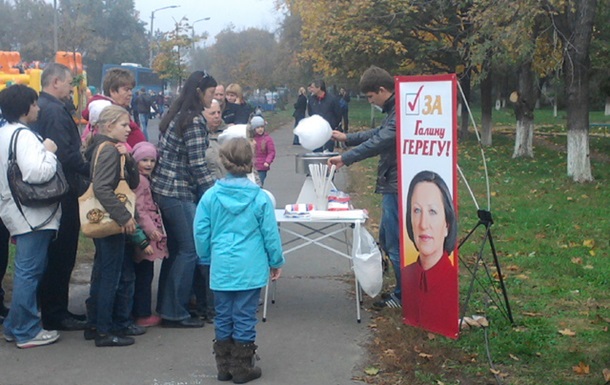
pixel 524 138
pixel 524 112
pixel 607 108
pixel 578 144
pixel 576 24
pixel 465 84
pixel 486 109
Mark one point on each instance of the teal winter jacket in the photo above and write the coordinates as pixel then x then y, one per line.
pixel 236 234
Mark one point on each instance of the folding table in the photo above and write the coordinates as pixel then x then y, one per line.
pixel 321 227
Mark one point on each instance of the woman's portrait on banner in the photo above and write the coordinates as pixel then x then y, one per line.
pixel 430 284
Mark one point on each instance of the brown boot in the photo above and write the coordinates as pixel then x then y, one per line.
pixel 222 352
pixel 242 365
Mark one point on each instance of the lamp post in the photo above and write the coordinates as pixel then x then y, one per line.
pixel 55 44
pixel 193 30
pixel 152 21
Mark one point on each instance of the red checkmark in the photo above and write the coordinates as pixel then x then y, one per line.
pixel 412 105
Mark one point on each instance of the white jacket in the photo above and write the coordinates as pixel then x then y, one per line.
pixel 37 166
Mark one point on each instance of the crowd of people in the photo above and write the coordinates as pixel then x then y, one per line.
pixel 200 208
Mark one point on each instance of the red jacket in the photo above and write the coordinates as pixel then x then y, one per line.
pixel 264 151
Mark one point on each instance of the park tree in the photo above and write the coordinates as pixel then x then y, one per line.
pixel 248 57
pixel 573 23
pixel 171 60
pixel 290 69
pixel 31 22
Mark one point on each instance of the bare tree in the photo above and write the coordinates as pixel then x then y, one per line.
pixel 573 21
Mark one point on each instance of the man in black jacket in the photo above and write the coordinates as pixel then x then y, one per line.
pixel 143 105
pixel 378 85
pixel 56 123
pixel 327 106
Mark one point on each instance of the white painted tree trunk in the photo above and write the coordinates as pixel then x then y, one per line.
pixel 579 165
pixel 607 109
pixel 524 139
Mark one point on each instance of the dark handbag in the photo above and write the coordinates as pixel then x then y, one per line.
pixel 34 195
pixel 30 194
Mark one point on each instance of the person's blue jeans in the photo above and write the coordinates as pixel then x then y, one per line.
pixel 236 315
pixel 176 276
pixel 201 289
pixel 106 278
pixel 389 235
pixel 23 322
pixel 262 174
pixel 142 299
pixel 144 124
pixel 123 303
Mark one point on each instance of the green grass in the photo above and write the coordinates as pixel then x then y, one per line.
pixel 551 236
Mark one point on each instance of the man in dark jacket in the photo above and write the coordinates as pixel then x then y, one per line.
pixel 327 106
pixel 378 85
pixel 143 105
pixel 56 123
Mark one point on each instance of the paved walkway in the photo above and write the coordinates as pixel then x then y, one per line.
pixel 310 338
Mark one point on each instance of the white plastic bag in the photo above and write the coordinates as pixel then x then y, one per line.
pixel 234 131
pixel 313 132
pixel 366 258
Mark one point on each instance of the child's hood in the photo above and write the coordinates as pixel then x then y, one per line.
pixel 235 194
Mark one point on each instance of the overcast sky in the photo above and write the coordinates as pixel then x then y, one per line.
pixel 241 13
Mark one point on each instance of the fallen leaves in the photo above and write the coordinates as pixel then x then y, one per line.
pixel 581 368
pixel 498 373
pixel 371 371
pixel 476 321
pixel 567 332
pixel 531 314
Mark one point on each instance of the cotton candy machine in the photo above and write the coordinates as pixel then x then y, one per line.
pixel 302 161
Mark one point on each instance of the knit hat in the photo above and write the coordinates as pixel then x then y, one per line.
pixel 257 121
pixel 95 109
pixel 144 150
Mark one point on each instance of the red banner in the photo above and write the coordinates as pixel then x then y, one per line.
pixel 426 127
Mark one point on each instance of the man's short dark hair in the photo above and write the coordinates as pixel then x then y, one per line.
pixel 375 77
pixel 15 101
pixel 116 78
pixel 52 71
pixel 319 83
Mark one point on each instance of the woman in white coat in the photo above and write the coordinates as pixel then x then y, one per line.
pixel 33 229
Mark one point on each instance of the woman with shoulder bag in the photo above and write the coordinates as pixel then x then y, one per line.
pixel 108 311
pixel 33 228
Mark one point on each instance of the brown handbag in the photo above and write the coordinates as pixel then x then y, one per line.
pixel 95 222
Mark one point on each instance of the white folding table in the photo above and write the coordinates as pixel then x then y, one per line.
pixel 322 228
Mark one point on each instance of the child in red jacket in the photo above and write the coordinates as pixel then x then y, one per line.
pixel 264 149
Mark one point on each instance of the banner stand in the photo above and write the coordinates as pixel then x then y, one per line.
pixel 485 219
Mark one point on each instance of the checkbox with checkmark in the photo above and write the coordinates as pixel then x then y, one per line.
pixel 412 105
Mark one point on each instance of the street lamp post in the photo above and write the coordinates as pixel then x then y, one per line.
pixel 152 21
pixel 193 30
pixel 55 44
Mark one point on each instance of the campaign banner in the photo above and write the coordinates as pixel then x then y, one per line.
pixel 426 131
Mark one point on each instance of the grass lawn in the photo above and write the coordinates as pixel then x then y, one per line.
pixel 551 235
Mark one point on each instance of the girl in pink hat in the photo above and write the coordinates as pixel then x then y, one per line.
pixel 149 219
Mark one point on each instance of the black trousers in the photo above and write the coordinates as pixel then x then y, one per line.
pixel 54 287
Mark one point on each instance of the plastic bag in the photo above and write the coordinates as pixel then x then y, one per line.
pixel 313 132
pixel 366 258
pixel 234 131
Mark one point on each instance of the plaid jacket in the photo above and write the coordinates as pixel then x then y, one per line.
pixel 182 171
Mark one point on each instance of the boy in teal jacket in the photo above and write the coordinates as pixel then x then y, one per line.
pixel 236 234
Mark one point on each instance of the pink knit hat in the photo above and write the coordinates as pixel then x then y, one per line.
pixel 144 150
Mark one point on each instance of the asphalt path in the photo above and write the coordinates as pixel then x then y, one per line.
pixel 310 337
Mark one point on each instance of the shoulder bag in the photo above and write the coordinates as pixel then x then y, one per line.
pixel 34 194
pixel 95 221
